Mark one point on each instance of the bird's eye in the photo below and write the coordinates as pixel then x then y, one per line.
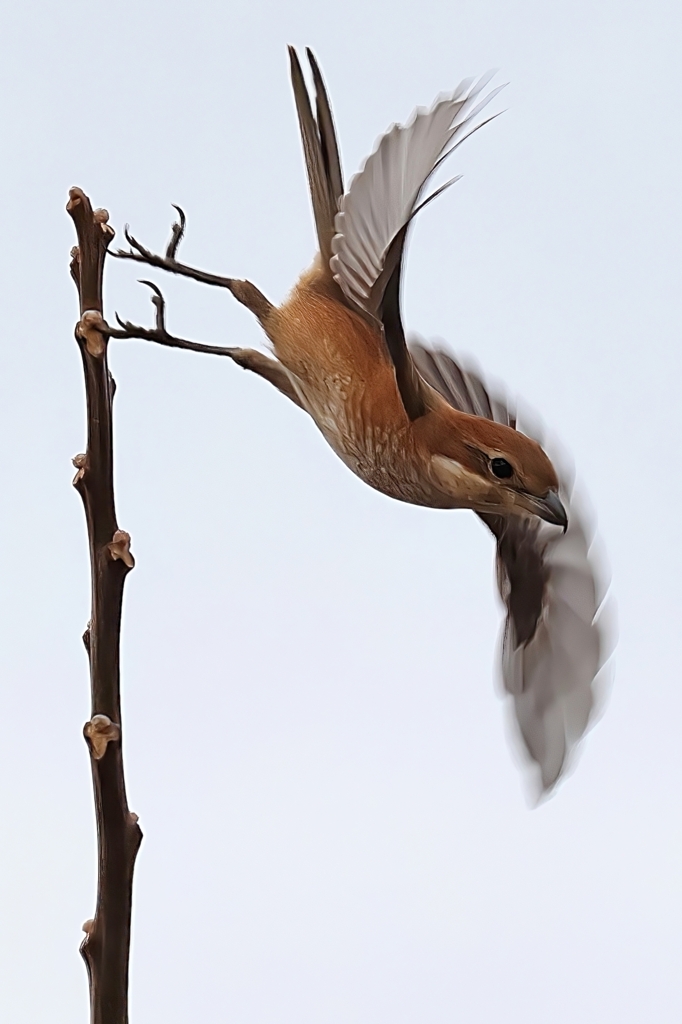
pixel 501 468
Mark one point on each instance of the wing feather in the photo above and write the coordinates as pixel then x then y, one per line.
pixel 553 643
pixel 384 195
pixel 362 234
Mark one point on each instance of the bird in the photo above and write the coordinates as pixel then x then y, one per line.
pixel 414 423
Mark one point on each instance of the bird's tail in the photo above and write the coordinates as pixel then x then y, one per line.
pixel 320 149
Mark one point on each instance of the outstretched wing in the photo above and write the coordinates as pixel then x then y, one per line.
pixel 552 644
pixel 384 196
pixel 375 213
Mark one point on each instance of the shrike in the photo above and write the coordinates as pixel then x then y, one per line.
pixel 411 422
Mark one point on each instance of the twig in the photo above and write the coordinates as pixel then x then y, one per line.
pixel 106 947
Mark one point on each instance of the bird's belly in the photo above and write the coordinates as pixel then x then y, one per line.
pixel 380 454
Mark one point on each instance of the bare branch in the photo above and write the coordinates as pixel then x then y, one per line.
pixel 106 946
pixel 244 291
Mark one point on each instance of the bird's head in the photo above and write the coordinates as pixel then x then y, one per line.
pixel 490 467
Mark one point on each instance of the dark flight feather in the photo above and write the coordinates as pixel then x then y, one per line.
pixel 553 646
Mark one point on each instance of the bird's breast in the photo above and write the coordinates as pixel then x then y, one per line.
pixel 379 449
pixel 344 378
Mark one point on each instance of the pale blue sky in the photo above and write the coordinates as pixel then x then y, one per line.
pixel 335 829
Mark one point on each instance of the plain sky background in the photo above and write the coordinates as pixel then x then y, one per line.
pixel 335 827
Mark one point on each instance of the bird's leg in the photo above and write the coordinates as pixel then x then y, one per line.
pixel 248 358
pixel 269 369
pixel 243 291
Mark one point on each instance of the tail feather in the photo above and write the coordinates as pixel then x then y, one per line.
pixel 320 150
pixel 327 130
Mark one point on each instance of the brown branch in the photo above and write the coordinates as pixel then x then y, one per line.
pixel 244 291
pixel 106 946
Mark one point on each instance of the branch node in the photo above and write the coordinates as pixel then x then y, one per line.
pixel 92 329
pixel 86 638
pixel 76 198
pixel 89 926
pixel 75 266
pixel 119 547
pixel 81 464
pixel 99 732
pixel 101 217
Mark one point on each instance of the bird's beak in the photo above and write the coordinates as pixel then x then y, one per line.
pixel 549 508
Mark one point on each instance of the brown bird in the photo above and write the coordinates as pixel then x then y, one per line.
pixel 412 423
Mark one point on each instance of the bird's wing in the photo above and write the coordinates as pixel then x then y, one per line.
pixel 375 213
pixel 553 646
pixel 320 150
pixel 384 196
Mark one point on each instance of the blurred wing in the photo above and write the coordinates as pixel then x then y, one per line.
pixel 374 216
pixel 552 645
